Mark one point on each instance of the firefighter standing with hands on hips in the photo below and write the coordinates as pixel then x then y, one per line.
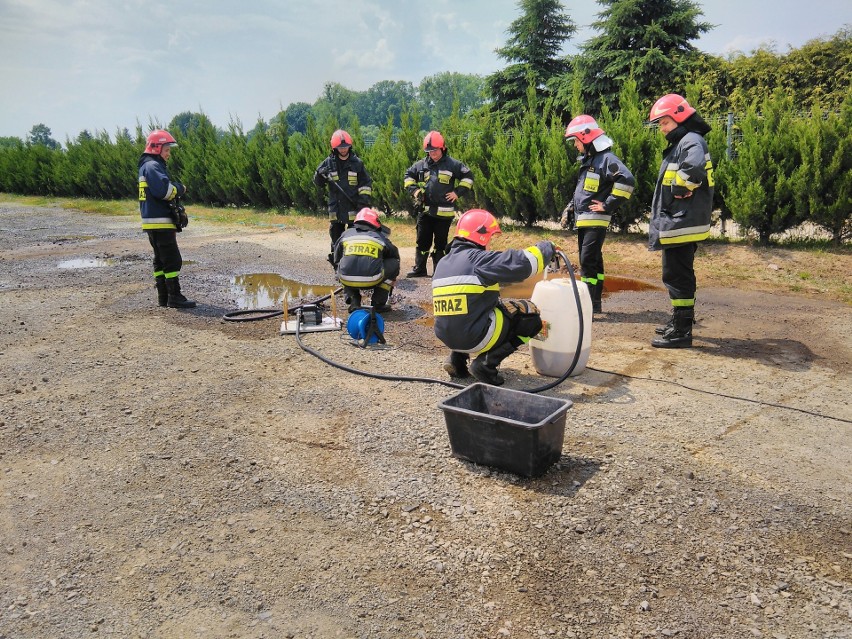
pixel 680 211
pixel 365 258
pixel 435 183
pixel 470 317
pixel 349 186
pixel 161 218
pixel 603 185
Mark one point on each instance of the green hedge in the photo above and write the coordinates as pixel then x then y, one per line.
pixel 782 169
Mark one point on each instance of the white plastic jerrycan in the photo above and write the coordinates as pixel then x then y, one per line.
pixel 553 349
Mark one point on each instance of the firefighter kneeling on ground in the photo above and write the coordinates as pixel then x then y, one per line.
pixel 365 258
pixel 470 317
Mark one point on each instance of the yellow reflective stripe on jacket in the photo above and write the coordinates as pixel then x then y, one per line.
pixel 466 289
pixel 708 166
pixel 620 189
pixel 536 259
pixel 582 223
pixel 498 330
pixel 669 175
pixel 689 234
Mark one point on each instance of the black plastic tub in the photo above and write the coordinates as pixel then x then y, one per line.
pixel 507 429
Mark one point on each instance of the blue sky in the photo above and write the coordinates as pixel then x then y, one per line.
pixel 106 64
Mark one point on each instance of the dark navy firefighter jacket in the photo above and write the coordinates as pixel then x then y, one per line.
pixel 466 290
pixel 156 190
pixel 365 257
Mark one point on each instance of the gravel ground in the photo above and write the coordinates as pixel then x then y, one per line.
pixel 165 473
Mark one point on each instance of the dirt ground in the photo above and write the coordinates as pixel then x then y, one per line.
pixel 165 473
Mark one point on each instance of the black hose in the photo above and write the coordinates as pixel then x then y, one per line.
pixel 429 380
pixel 349 369
pixel 266 313
pixel 580 333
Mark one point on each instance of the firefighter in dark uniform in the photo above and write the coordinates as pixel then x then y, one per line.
pixel 365 258
pixel 680 211
pixel 470 317
pixel 157 194
pixel 435 183
pixel 349 186
pixel 603 185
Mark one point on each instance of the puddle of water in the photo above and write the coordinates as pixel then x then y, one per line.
pixel 86 262
pixel 266 290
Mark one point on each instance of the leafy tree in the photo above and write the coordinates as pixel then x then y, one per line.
pixel 818 73
pixel 192 164
pixel 534 46
pixel 437 93
pixel 336 104
pixel 40 135
pixel 760 189
pixel 382 100
pixel 296 116
pixel 186 123
pixel 10 143
pixel 638 146
pixel 386 162
pixel 271 151
pixel 646 39
pixel 823 181
pixel 527 169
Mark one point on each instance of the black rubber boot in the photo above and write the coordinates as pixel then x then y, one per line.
pixel 484 367
pixel 380 299
pixel 597 295
pixel 456 365
pixel 661 330
pixel 176 298
pixel 419 269
pixel 436 257
pixel 162 291
pixel 680 334
pixel 352 299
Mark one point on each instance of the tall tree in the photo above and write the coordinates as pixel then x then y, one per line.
pixel 534 51
pixel 382 100
pixel 40 135
pixel 296 116
pixel 648 39
pixel 437 93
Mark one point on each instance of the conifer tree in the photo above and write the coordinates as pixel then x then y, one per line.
pixel 534 46
pixel 760 191
pixel 823 181
pixel 649 40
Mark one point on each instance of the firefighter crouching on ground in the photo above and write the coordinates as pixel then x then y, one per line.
pixel 470 318
pixel 435 183
pixel 680 211
pixel 365 258
pixel 349 186
pixel 157 193
pixel 603 185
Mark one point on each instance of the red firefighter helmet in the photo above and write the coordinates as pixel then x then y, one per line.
pixel 369 216
pixel 434 141
pixel 157 139
pixel 672 105
pixel 478 226
pixel 584 128
pixel 340 139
